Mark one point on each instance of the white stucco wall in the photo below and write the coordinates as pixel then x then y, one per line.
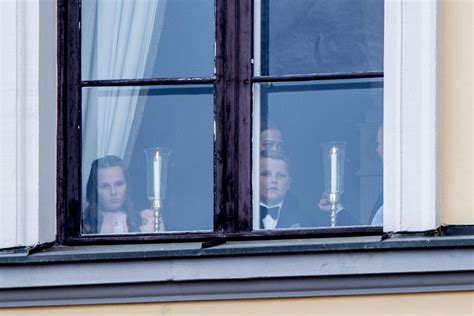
pixel 28 96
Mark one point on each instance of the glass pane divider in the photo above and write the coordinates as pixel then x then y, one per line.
pixel 322 76
pixel 147 82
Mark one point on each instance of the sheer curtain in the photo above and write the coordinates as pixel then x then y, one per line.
pixel 117 38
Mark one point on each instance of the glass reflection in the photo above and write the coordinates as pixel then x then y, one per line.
pixel 318 36
pixel 118 125
pixel 135 39
pixel 289 167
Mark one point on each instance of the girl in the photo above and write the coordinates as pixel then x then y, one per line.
pixel 110 209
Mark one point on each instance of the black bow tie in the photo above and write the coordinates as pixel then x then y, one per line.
pixel 273 211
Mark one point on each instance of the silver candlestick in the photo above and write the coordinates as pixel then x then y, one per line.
pixel 334 158
pixel 157 174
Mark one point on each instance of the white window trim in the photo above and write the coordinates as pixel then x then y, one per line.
pixel 411 156
pixel 28 119
pixel 28 97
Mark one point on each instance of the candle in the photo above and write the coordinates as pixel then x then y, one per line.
pixel 334 170
pixel 157 175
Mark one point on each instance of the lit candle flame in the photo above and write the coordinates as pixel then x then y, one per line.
pixel 157 155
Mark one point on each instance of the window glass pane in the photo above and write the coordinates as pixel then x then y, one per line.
pixel 318 36
pixel 317 138
pixel 123 176
pixel 134 39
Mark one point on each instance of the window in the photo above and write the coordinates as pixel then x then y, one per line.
pixel 409 181
pixel 317 87
pixel 167 138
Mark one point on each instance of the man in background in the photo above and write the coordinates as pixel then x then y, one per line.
pixel 376 215
pixel 271 139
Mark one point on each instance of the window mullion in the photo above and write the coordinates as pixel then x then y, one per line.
pixel 69 120
pixel 233 116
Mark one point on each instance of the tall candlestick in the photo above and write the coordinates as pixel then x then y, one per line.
pixel 333 170
pixel 157 175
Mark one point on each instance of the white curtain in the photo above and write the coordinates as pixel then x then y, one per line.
pixel 117 38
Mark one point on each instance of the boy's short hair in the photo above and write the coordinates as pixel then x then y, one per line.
pixel 274 154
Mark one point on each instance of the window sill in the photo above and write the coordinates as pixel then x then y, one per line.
pixel 257 269
pixel 75 254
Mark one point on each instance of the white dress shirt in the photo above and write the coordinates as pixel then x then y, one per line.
pixel 117 221
pixel 268 221
pixel 377 220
